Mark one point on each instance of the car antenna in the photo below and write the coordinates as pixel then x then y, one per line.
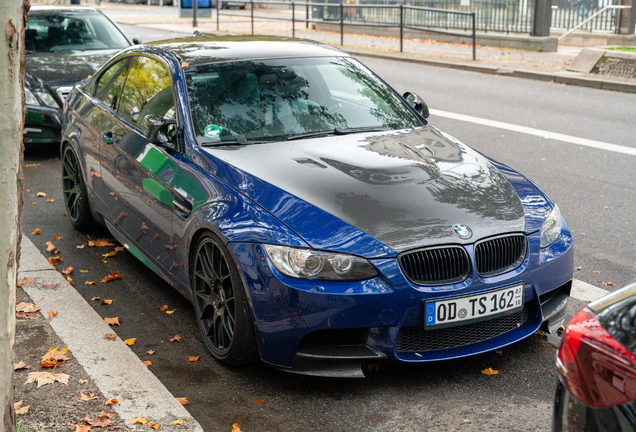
pixel 197 33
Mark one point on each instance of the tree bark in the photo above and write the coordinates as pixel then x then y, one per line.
pixel 13 15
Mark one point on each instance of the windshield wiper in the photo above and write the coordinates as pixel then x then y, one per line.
pixel 308 135
pixel 239 141
pixel 345 131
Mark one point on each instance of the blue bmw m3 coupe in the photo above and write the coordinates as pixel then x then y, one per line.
pixel 311 214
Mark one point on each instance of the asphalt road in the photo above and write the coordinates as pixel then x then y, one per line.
pixel 594 188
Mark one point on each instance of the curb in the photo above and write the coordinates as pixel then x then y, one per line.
pixel 113 367
pixel 570 78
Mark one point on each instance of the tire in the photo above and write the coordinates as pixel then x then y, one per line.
pixel 220 303
pixel 74 188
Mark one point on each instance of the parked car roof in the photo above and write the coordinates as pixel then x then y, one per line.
pixel 209 49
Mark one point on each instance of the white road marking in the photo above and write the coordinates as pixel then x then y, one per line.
pixel 586 292
pixel 537 132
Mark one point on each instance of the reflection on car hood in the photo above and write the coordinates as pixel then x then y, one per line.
pixel 65 68
pixel 405 188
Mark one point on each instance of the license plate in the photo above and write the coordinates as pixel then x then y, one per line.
pixel 474 307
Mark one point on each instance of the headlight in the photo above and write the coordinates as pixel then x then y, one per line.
pixel 48 100
pixel 30 97
pixel 551 228
pixel 311 264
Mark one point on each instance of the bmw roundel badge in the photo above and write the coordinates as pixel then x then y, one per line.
pixel 462 231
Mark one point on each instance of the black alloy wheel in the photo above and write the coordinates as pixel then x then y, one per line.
pixel 221 305
pixel 75 195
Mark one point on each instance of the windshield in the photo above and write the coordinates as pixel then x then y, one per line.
pixel 72 31
pixel 272 99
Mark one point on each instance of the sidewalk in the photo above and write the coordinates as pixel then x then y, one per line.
pixel 544 66
pixel 100 368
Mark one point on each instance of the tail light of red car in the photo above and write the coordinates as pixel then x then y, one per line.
pixel 593 365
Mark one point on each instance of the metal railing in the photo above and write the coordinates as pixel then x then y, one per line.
pixel 570 13
pixel 582 23
pixel 403 18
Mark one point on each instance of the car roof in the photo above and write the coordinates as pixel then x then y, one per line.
pixel 55 8
pixel 199 50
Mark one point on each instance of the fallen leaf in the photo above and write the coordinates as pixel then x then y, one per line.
pixel 608 283
pixel 40 194
pixel 183 401
pixel 107 302
pixel 596 271
pixel 147 363
pixel 112 276
pixel 539 332
pixel 79 428
pixel 235 428
pixel 144 226
pixel 89 283
pixel 499 352
pixel 111 402
pixel 48 286
pixel 68 270
pixel 31 165
pixel 26 307
pixel 162 308
pixel 139 420
pixel 36 231
pixel 52 313
pixel 29 190
pixel 176 338
pixel 83 271
pixel 57 237
pixel 109 254
pixel 96 298
pixel 25 281
pixel 69 280
pixel 34 202
pixel 153 425
pixel 44 378
pixel 577 268
pixel 98 421
pixel 18 410
pixel 50 246
pixel 111 336
pixel 19 366
pixel 120 248
pixel 86 398
pixel 130 341
pixel 54 357
pixel 111 193
pixel 169 312
pixel 193 359
pixel 418 354
pixel 112 321
pixel 54 260
pixel 83 381
pixel 259 401
pixel 490 371
pixel 101 242
pixel 50 200
pixel 82 246
pixel 151 352
pixel 176 422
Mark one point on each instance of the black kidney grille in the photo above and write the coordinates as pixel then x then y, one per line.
pixel 500 255
pixel 437 266
pixel 414 339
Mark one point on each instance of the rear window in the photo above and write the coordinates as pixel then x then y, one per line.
pixel 55 32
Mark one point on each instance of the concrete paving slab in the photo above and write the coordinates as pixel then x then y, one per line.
pixel 586 60
pixel 116 370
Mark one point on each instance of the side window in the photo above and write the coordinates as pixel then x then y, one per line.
pixel 110 83
pixel 148 90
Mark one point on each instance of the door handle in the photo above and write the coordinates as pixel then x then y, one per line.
pixel 108 137
pixel 182 205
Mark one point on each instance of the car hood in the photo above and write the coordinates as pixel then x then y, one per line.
pixel 65 68
pixel 404 188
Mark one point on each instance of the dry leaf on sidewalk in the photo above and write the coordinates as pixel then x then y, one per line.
pixel 68 270
pixel 183 401
pixel 19 366
pixel 86 398
pixel 138 420
pixel 20 410
pixel 490 371
pixel 130 341
pixel 44 378
pixel 111 402
pixel 52 313
pixel 112 276
pixel 153 425
pixel 26 307
pixel 54 357
pixel 112 321
pixel 176 338
pixel 25 281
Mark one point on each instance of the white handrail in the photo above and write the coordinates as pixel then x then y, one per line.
pixel 567 33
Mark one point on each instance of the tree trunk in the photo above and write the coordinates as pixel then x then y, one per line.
pixel 13 14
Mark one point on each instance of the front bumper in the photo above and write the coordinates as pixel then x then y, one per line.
pixel 332 328
pixel 42 125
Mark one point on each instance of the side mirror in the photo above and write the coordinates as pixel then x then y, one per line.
pixel 418 103
pixel 155 130
pixel 136 41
